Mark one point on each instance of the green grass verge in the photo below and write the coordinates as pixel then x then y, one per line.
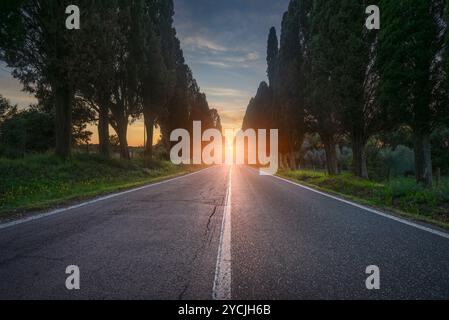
pixel 401 196
pixel 44 181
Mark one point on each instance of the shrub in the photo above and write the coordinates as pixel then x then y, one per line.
pixel 385 163
pixel 27 132
pixel 344 158
pixel 399 161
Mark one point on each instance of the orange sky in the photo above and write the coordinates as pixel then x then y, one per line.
pixel 231 119
pixel 135 134
pixel 225 52
pixel 231 112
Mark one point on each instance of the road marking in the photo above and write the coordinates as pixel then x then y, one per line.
pixel 222 281
pixel 111 196
pixel 377 212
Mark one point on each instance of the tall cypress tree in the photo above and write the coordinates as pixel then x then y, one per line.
pixel 289 91
pixel 287 69
pixel 46 56
pixel 258 108
pixel 154 79
pixel 407 47
pixel 444 85
pixel 272 56
pixel 353 53
pixel 324 107
pixel 100 29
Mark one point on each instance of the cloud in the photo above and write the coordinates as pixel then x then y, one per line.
pixel 242 57
pixel 213 63
pixel 231 60
pixel 232 119
pixel 225 92
pixel 231 105
pixel 201 43
pixel 252 56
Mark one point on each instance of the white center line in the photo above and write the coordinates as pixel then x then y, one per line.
pixel 222 281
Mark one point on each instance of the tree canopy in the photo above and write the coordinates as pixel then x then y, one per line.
pixel 124 63
pixel 333 77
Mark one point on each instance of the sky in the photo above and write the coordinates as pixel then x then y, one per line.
pixel 224 43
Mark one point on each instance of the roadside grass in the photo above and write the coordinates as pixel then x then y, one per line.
pixel 400 195
pixel 43 181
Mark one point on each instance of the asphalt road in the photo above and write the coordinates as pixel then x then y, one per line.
pixel 221 233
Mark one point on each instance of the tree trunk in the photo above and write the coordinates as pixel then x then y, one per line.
pixel 292 160
pixel 360 167
pixel 103 130
pixel 423 159
pixel 122 136
pixel 331 154
pixel 149 127
pixel 286 164
pixel 64 97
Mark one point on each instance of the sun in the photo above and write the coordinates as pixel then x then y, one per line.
pixel 229 146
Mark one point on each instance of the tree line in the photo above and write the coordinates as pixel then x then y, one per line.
pixel 331 76
pixel 124 63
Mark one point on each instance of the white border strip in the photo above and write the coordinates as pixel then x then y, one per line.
pixel 379 213
pixel 223 278
pixel 111 196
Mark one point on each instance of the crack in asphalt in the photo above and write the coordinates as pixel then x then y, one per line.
pixel 210 220
pixel 207 240
pixel 198 201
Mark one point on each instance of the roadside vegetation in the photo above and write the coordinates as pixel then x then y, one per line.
pixel 136 72
pixel 364 112
pixel 400 195
pixel 43 181
pixel 125 65
pixel 365 101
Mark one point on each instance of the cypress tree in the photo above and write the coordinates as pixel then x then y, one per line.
pixel 324 107
pixel 154 80
pixel 289 91
pixel 272 56
pixel 353 53
pixel 406 50
pixel 46 56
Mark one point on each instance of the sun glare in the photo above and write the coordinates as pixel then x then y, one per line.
pixel 230 150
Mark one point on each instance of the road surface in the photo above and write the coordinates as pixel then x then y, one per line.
pixel 221 233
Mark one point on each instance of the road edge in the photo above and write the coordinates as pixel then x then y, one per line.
pixel 404 220
pixel 37 216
